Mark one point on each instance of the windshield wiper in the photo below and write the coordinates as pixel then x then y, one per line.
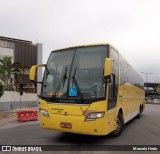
pixel 47 73
pixel 77 85
pixel 62 81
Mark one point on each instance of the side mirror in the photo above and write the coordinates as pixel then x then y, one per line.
pixel 108 67
pixel 33 70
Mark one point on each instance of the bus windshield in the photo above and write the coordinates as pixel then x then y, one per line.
pixel 75 74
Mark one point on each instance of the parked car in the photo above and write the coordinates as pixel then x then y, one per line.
pixel 156 101
pixel 148 101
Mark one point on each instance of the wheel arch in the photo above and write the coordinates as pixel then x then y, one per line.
pixel 120 111
pixel 142 107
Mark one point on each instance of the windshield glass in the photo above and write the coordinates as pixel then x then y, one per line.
pixel 75 74
pixel 56 75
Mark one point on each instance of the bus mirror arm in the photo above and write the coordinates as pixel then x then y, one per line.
pixel 109 80
pixel 108 77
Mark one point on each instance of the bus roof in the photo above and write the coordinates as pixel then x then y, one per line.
pixel 86 45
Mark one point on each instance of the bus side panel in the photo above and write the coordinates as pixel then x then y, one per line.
pixel 131 99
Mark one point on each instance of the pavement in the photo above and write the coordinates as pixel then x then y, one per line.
pixel 11 113
pixel 11 116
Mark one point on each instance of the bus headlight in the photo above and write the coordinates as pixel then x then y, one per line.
pixel 94 116
pixel 44 112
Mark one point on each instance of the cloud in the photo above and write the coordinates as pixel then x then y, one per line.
pixel 131 26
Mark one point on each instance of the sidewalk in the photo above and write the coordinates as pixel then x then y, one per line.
pixel 10 117
pixel 12 113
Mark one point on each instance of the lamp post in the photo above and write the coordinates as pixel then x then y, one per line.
pixel 146 75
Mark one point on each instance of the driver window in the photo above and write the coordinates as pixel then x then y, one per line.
pixel 113 82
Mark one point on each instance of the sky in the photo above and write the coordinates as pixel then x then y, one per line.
pixel 131 26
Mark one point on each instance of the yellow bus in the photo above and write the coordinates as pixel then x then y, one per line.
pixel 89 89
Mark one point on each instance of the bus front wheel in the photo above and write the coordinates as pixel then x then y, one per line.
pixel 120 126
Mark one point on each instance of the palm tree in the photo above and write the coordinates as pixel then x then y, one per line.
pixel 1 89
pixel 7 69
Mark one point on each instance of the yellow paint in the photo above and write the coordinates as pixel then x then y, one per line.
pixel 33 69
pixel 108 67
pixel 129 100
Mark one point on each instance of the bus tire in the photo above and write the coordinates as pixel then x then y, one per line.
pixel 120 126
pixel 140 112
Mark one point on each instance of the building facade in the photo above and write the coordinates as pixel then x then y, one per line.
pixel 27 54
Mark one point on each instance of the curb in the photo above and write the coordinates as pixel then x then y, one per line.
pixel 12 113
pixel 153 103
pixel 7 115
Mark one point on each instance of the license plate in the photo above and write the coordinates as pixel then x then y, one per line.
pixel 66 125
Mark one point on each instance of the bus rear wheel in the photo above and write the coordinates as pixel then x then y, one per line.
pixel 120 126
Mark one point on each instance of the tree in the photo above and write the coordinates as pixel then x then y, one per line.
pixel 1 89
pixel 7 69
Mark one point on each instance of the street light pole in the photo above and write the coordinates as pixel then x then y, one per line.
pixel 146 75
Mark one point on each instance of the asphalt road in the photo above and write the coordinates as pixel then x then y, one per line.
pixel 144 131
